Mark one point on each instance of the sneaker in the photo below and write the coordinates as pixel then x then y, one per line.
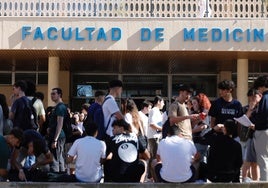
pixel 247 180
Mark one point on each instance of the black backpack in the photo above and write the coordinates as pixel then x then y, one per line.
pixel 29 120
pixel 67 127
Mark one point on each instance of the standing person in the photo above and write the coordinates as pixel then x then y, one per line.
pixel 146 106
pixel 56 134
pixel 110 108
pixel 225 107
pixel 36 102
pixel 21 113
pixel 5 123
pixel 175 156
pixel 124 151
pixel 155 128
pixel 259 119
pixel 133 118
pixel 201 105
pixel 178 113
pixel 225 154
pixel 250 169
pixel 8 143
pixel 89 153
pixel 99 98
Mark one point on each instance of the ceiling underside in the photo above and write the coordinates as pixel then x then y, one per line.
pixel 129 61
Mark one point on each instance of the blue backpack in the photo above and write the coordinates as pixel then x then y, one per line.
pixel 98 118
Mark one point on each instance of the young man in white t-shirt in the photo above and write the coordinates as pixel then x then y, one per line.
pixel 174 158
pixel 110 108
pixel 89 154
pixel 146 106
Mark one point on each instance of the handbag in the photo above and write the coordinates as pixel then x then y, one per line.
pixel 245 133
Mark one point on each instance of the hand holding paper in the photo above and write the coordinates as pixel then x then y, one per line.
pixel 244 120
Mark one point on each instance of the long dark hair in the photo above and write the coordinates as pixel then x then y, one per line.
pixel 156 99
pixel 3 103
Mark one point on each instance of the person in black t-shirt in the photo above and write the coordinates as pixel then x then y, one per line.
pixel 33 144
pixel 124 150
pixel 225 107
pixel 225 154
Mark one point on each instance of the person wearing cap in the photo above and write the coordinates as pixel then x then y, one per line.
pixel 260 124
pixel 124 153
pixel 225 154
pixel 110 108
pixel 178 113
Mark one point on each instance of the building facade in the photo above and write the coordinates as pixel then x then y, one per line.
pixel 152 46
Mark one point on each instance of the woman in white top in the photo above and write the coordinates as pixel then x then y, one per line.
pixel 155 127
pixel 133 118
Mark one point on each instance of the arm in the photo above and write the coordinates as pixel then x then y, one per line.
pixel 156 127
pixel 118 115
pixel 11 115
pixel 69 159
pixel 158 158
pixel 42 119
pixel 15 164
pixel 47 160
pixel 145 155
pixel 58 130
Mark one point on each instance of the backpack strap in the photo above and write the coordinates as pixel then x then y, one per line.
pixel 106 126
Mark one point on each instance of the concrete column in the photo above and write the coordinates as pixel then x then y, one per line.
pixel 242 80
pixel 53 76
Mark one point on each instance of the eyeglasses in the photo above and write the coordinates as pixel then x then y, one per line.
pixel 53 93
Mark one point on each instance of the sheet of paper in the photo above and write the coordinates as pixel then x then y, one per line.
pixel 243 120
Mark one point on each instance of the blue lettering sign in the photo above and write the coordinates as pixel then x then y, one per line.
pixel 38 34
pixel 188 35
pixel 116 34
pixel 145 34
pixel 25 31
pixel 159 34
pixel 69 34
pixel 248 35
pixel 101 35
pixel 227 35
pixel 203 34
pixel 50 36
pixel 216 34
pixel 89 30
pixel 78 37
pixel 237 38
pixel 258 35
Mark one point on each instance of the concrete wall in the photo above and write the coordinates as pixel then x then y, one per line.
pixel 46 33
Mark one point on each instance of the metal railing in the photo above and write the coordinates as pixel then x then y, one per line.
pixel 135 8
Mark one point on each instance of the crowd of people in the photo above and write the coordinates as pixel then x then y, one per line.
pixel 193 140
